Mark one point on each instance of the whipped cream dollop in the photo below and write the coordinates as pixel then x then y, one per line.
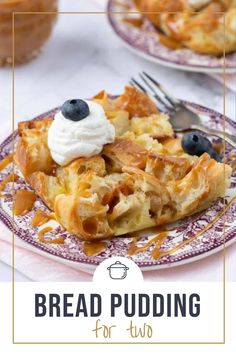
pixel 197 4
pixel 68 140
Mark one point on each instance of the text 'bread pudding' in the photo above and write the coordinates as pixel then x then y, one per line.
pixel 111 166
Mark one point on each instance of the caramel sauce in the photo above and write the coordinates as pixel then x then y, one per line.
pixel 94 248
pixel 41 238
pixel 232 160
pixel 233 165
pixel 136 22
pixel 41 217
pixel 176 248
pixel 157 241
pixel 157 252
pixel 121 4
pixel 10 178
pixel 6 161
pixel 90 226
pixel 169 42
pixel 231 156
pixel 218 147
pixel 23 201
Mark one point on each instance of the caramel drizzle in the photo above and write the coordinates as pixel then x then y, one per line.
pixel 163 39
pixel 233 165
pixel 6 161
pixel 157 240
pixel 94 248
pixel 168 42
pixel 23 202
pixel 231 158
pixel 12 177
pixel 135 22
pixel 219 147
pixel 43 239
pixel 41 217
pixel 122 5
pixel 91 249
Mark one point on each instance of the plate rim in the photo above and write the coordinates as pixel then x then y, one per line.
pixel 90 267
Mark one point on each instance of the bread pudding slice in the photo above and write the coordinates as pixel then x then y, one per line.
pixel 205 27
pixel 142 179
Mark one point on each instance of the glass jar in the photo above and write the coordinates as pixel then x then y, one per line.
pixel 30 30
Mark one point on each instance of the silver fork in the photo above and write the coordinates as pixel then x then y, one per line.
pixel 182 118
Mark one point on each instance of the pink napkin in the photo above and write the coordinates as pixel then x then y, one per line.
pixel 37 267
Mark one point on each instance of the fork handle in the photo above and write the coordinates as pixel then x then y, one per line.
pixel 229 138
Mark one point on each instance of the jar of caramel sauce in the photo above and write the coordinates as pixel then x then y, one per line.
pixel 30 30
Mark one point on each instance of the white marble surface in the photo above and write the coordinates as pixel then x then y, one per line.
pixel 82 57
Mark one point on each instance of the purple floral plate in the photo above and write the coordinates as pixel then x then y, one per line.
pixel 144 42
pixel 190 239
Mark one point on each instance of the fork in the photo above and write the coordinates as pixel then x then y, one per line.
pixel 182 118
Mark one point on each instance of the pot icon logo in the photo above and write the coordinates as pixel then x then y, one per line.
pixel 117 270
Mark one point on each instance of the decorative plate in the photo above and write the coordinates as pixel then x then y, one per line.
pixel 144 41
pixel 190 239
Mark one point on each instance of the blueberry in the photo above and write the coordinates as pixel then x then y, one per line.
pixel 196 144
pixel 75 110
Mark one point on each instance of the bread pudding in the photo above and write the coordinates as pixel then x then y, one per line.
pixel 204 26
pixel 138 179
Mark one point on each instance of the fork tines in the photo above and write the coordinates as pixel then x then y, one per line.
pixel 155 90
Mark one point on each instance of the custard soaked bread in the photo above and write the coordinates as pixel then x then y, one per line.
pixel 142 179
